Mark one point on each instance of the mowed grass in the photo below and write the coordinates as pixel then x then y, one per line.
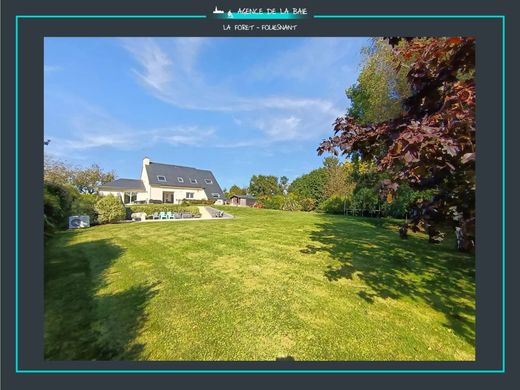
pixel 262 286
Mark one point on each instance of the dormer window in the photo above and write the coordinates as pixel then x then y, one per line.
pixel 161 178
pixel 180 179
pixel 193 181
pixel 208 181
pixel 215 195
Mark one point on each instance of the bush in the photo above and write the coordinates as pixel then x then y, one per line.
pixel 400 205
pixel 308 204
pixel 290 203
pixel 274 202
pixel 333 205
pixel 365 199
pixel 57 204
pixel 157 208
pixel 202 202
pixel 110 209
pixel 85 204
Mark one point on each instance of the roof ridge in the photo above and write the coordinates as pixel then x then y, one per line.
pixel 178 166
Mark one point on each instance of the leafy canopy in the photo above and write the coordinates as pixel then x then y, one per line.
pixel 431 144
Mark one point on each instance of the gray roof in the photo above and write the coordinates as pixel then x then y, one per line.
pixel 124 184
pixel 173 172
pixel 244 197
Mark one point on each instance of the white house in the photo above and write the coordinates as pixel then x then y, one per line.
pixel 165 183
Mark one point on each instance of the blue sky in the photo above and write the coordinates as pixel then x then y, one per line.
pixel 236 106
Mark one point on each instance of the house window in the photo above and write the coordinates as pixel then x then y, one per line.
pixel 161 178
pixel 193 181
pixel 190 195
pixel 215 195
pixel 180 180
pixel 208 181
pixel 129 197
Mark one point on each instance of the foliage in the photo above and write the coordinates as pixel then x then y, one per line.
pixel 308 204
pixel 273 202
pixel 192 202
pixel 380 88
pixel 262 185
pixel 310 185
pixel 57 205
pixel 291 203
pixel 85 204
pixel 339 183
pixel 110 209
pixel 56 171
pixel 400 203
pixel 157 208
pixel 86 180
pixel 432 144
pixel 235 190
pixel 365 199
pixel 334 205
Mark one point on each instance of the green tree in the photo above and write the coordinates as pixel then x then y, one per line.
pixel 235 190
pixel 431 144
pixel 339 182
pixel 57 172
pixel 311 185
pixel 88 180
pixel 58 200
pixel 381 86
pixel 262 185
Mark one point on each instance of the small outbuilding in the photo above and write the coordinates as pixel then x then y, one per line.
pixel 242 200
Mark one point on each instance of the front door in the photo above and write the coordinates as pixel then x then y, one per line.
pixel 168 197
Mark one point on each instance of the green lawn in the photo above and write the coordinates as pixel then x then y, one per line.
pixel 265 285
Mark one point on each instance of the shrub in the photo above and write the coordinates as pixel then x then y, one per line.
pixel 400 204
pixel 365 199
pixel 110 209
pixel 308 204
pixel 274 202
pixel 57 204
pixel 157 208
pixel 333 205
pixel 202 202
pixel 85 204
pixel 290 203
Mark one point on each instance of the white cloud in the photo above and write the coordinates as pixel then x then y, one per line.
pixel 89 126
pixel 172 76
pixel 169 70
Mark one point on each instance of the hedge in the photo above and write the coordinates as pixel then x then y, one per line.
pixel 202 202
pixel 157 208
pixel 57 204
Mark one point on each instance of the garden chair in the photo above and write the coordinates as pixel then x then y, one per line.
pixel 163 215
pixel 155 215
pixel 169 215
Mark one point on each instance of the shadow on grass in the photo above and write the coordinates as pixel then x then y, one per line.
pixel 80 323
pixel 393 268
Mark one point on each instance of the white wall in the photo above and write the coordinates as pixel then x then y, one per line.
pixel 156 193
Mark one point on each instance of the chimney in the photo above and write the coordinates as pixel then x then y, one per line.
pixel 146 161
